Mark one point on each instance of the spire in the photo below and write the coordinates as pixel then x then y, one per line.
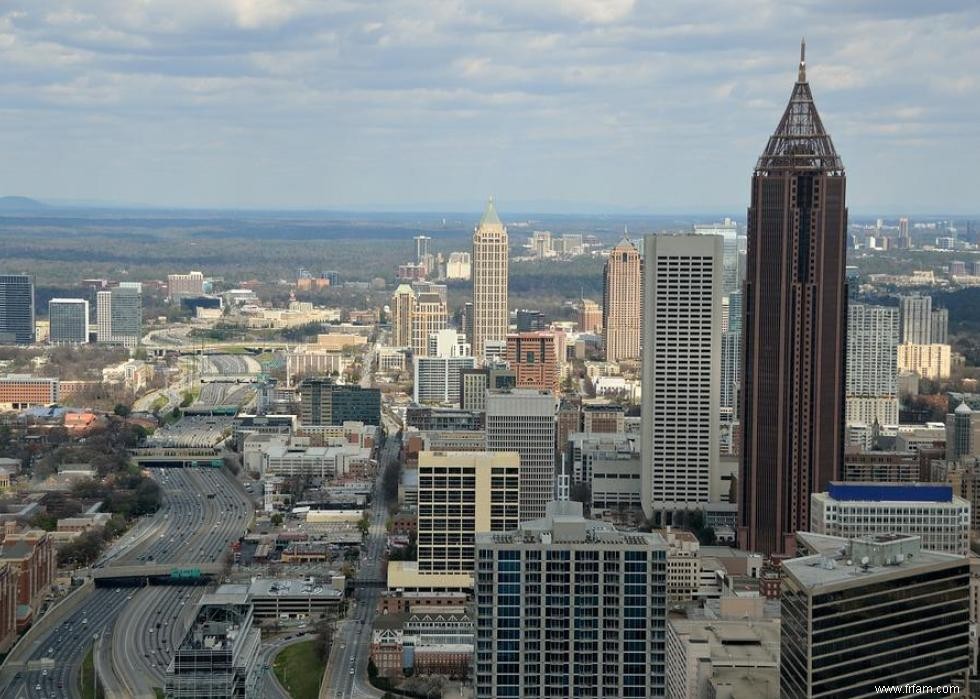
pixel 800 142
pixel 802 75
pixel 490 217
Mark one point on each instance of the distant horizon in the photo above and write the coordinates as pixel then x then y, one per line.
pixel 521 209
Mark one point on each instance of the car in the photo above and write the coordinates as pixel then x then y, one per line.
pixel 352 671
pixel 44 673
pixel 38 688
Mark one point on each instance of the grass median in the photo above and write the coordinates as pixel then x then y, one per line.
pixel 299 670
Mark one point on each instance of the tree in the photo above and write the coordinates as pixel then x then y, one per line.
pixel 276 520
pixel 122 410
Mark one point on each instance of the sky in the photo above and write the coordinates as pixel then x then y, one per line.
pixel 549 105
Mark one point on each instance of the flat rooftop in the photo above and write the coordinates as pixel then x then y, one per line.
pixel 839 560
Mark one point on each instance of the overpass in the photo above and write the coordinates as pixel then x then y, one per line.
pixel 159 349
pixel 179 457
pixel 155 574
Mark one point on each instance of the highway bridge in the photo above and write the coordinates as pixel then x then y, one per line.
pixel 176 457
pixel 155 574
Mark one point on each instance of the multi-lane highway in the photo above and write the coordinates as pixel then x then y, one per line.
pixel 346 672
pixel 206 517
pixel 189 528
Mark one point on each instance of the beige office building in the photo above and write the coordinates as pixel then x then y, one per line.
pixel 460 494
pixel 589 316
pixel 489 270
pixel 430 316
pixel 622 302
pixel 402 314
pixel 181 285
pixel 928 361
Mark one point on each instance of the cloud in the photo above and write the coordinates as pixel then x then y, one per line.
pixel 394 101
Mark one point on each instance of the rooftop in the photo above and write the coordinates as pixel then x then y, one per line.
pixel 564 524
pixel 845 561
pixel 855 491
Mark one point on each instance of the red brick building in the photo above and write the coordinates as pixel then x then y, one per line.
pixel 8 606
pixel 32 554
pixel 533 356
pixel 19 391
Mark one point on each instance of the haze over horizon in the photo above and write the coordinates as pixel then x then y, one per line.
pixel 584 106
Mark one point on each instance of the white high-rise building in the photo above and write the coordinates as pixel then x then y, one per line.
pixel 437 378
pixel 103 316
pixel 872 368
pixel 681 369
pixel 927 510
pixel 458 266
pixel 491 316
pixel 916 318
pixel 523 420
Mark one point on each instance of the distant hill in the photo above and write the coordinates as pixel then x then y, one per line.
pixel 20 204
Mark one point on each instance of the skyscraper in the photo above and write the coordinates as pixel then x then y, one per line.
pixel 939 326
pixel 422 247
pixel 429 316
pixel 103 316
pixel 621 302
pixel 570 607
pixel 402 313
pixel 68 319
pixel 16 309
pixel 916 319
pixel 524 421
pixel 728 230
pixel 681 365
pixel 872 368
pixel 459 495
pixel 795 310
pixel 119 315
pixel 491 316
pixel 904 237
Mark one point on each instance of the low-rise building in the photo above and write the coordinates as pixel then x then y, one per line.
pixel 927 510
pixel 732 654
pixel 683 565
pixel 19 391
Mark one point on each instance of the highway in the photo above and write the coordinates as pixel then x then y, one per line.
pixel 201 529
pixel 351 648
pixel 189 527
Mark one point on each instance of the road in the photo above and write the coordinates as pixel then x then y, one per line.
pixel 201 530
pixel 188 528
pixel 269 687
pixel 351 648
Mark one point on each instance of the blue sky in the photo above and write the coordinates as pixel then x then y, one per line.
pixel 416 104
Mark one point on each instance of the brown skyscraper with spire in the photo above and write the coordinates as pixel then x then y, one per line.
pixel 795 320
